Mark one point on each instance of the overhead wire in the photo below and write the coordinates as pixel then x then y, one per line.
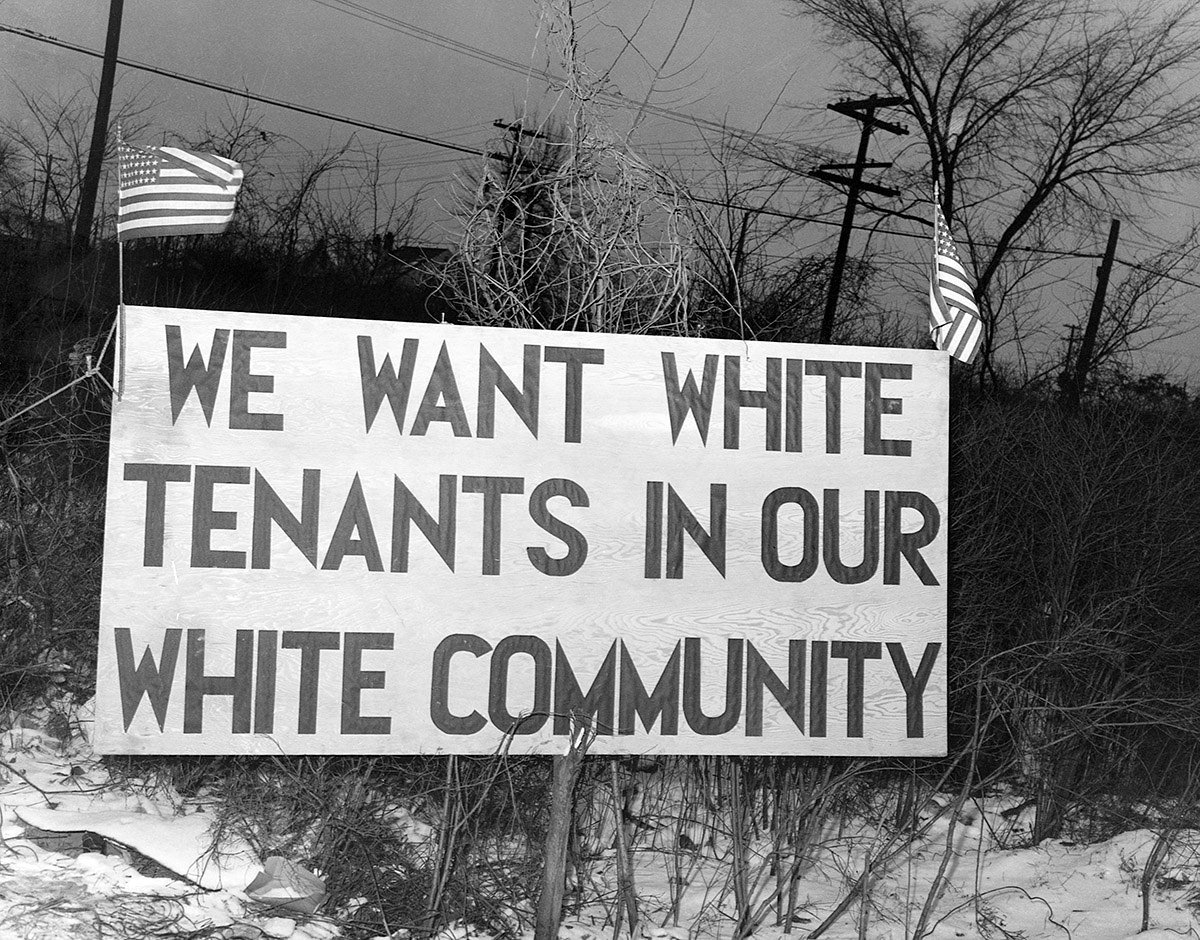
pixel 448 145
pixel 362 12
pixel 244 93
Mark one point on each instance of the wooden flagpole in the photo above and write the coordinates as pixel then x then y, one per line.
pixel 119 359
pixel 937 207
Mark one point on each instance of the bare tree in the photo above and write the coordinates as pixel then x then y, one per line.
pixel 45 154
pixel 1035 116
pixel 11 185
pixel 736 228
pixel 1144 307
pixel 575 231
pixel 1073 597
pixel 751 280
pixel 240 134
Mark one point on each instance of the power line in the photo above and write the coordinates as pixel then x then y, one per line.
pixel 1150 270
pixel 1178 202
pixel 316 112
pixel 385 147
pixel 1027 249
pixel 361 12
pixel 311 111
pixel 446 145
pixel 243 93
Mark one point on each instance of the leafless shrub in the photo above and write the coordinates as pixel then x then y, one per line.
pixel 578 232
pixel 1075 568
pixel 52 471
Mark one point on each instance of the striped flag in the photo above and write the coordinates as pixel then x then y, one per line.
pixel 954 323
pixel 169 191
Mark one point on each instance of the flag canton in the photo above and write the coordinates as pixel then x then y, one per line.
pixel 138 168
pixel 945 244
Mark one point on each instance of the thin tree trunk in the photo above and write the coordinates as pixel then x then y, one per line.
pixel 626 893
pixel 565 773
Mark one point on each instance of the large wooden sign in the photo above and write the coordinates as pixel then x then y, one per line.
pixel 347 536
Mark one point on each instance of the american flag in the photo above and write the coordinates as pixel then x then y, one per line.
pixel 954 323
pixel 169 191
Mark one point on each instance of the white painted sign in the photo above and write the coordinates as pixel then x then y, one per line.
pixel 349 536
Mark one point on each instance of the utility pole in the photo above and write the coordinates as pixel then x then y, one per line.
pixel 514 206
pixel 863 111
pixel 516 155
pixel 1068 370
pixel 41 229
pixel 91 177
pixel 1084 363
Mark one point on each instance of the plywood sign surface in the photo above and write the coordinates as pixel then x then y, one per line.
pixel 351 536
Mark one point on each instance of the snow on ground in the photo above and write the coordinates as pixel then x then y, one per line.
pixel 57 785
pixel 1055 890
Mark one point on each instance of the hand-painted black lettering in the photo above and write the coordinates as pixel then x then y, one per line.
pixel 269 508
pixel 914 685
pixel 355 517
pixel 387 382
pixel 737 398
pixel 908 544
pixel 147 678
pixel 524 401
pixel 156 476
pixel 575 360
pixel 407 509
pixel 875 405
pixel 596 708
pixel 834 371
pixel 311 643
pixel 195 376
pixel 355 679
pixel 855 654
pixel 198 684
pixel 528 720
pixel 439 694
pixel 686 399
pixel 242 382
pixel 693 685
pixel 577 546
pixel 205 519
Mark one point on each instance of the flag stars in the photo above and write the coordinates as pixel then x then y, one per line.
pixel 137 168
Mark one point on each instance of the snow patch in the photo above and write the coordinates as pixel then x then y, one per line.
pixel 184 844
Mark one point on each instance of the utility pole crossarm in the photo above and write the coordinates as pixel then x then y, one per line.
pixel 824 177
pixel 515 127
pixel 874 101
pixel 888 126
pixel 865 111
pixel 853 166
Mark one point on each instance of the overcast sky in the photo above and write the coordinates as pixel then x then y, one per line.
pixel 734 58
pixel 446 70
pixel 428 67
